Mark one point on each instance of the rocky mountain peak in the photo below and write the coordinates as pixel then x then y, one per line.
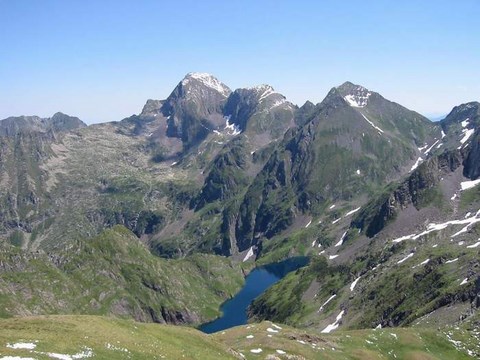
pixel 151 107
pixel 354 95
pixel 470 109
pixel 205 80
pixel 468 115
pixel 63 122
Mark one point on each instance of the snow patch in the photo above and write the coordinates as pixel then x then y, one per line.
pixel 306 226
pixel 469 184
pixel 477 244
pixel 341 239
pixel 332 206
pixel 336 220
pixel 250 253
pixel 371 123
pixel 256 351
pixel 267 90
pixel 405 258
pixel 451 261
pixel 437 227
pixel 232 129
pixel 358 172
pixel 406 237
pixel 431 147
pixel 22 345
pixel 443 134
pixel 466 135
pixel 419 160
pixel 353 284
pixel 335 325
pixel 249 336
pixel 331 257
pixel 16 358
pixel 281 352
pixel 326 302
pixel 352 212
pixel 272 330
pixel 358 100
pixel 209 81
pixel 465 122
pixel 464 281
pixel 422 263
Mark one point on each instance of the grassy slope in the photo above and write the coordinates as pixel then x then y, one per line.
pixel 114 273
pixel 111 338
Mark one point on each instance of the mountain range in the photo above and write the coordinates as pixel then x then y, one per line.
pixel 159 216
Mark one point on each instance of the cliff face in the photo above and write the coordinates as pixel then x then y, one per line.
pixel 412 191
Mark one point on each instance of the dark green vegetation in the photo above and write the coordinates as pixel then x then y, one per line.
pixel 149 217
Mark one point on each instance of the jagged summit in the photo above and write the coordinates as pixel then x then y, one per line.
pixel 207 80
pixel 470 109
pixel 354 95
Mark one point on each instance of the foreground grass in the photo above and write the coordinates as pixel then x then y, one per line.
pixel 80 337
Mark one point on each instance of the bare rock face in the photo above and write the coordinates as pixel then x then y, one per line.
pixel 195 108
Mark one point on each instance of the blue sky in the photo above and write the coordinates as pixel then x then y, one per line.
pixel 101 60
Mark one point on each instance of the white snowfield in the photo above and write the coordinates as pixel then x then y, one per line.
pixel 335 325
pixel 473 246
pixel 358 100
pixel 465 185
pixel 331 257
pixel 469 221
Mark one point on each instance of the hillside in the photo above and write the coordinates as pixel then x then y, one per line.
pixel 82 337
pixel 159 216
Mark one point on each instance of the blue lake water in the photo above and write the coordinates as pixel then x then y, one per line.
pixel 235 310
